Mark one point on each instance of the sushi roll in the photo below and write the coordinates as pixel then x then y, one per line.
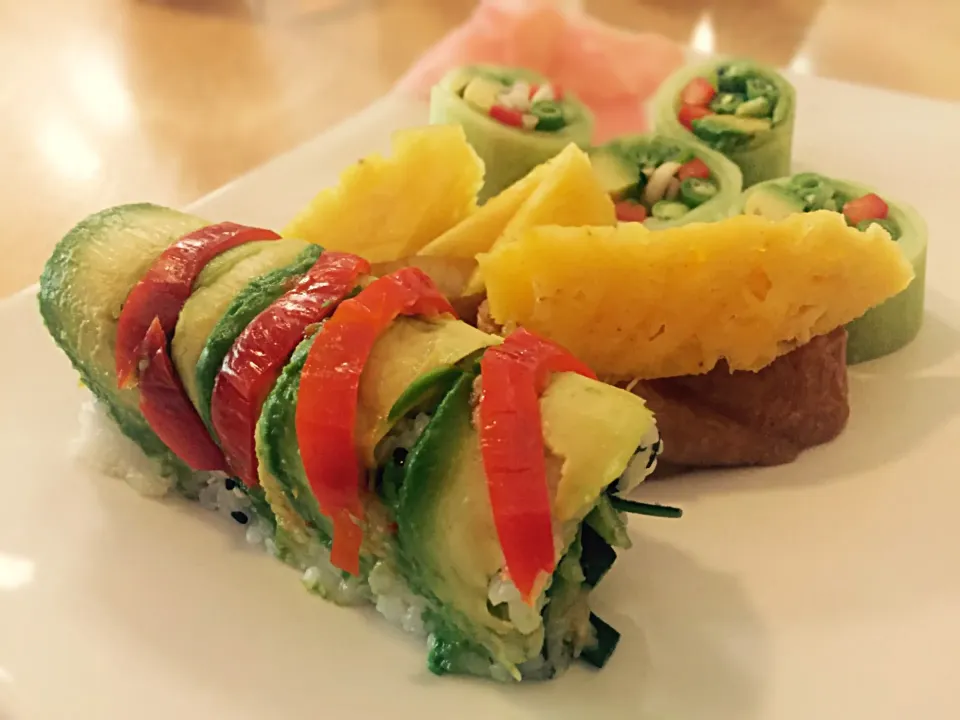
pixel 470 486
pixel 663 182
pixel 894 323
pixel 738 107
pixel 514 118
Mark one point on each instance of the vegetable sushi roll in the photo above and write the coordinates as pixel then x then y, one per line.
pixel 514 118
pixel 738 107
pixel 468 485
pixel 663 182
pixel 895 322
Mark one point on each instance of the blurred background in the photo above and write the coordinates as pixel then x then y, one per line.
pixel 108 101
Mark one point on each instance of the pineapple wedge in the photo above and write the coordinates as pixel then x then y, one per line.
pixel 384 209
pixel 562 191
pixel 569 195
pixel 639 304
pixel 477 233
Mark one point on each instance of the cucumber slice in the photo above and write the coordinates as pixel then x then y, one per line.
pixel 623 156
pixel 508 153
pixel 894 323
pixel 762 152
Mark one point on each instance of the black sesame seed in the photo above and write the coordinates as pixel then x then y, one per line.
pixel 240 517
pixel 230 483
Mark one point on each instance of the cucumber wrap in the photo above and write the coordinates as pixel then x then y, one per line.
pixel 508 153
pixel 637 149
pixel 761 156
pixel 894 323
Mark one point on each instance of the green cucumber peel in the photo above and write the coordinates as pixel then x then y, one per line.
pixel 508 153
pixel 768 154
pixel 655 148
pixel 894 323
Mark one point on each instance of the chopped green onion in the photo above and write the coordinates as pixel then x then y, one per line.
pixel 758 87
pixel 669 210
pixel 640 508
pixel 549 115
pixel 696 191
pixel 758 107
pixel 726 103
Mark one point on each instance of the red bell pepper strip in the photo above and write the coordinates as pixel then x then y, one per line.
pixel 327 400
pixel 513 376
pixel 166 406
pixel 867 207
pixel 698 91
pixel 164 289
pixel 695 168
pixel 507 116
pixel 629 211
pixel 689 113
pixel 259 353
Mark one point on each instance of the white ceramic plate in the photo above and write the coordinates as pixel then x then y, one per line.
pixel 826 589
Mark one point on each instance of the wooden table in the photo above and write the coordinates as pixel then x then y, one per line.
pixel 108 101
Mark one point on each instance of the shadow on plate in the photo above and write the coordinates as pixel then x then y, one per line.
pixel 691 644
pixel 691 647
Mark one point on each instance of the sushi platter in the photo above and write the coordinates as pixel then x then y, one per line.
pixel 268 453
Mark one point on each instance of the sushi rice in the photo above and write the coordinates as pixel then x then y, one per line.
pixel 103 448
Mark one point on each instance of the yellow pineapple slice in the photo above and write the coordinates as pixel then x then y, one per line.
pixel 569 194
pixel 639 304
pixel 478 232
pixel 388 208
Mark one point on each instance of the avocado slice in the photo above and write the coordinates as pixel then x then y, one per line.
pixel 218 313
pixel 773 202
pixel 446 536
pixel 616 174
pixel 409 349
pixel 437 382
pixel 216 287
pixel 82 289
pixel 729 132
pixel 448 541
pixel 282 475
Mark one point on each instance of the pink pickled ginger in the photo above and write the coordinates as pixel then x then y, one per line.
pixel 613 71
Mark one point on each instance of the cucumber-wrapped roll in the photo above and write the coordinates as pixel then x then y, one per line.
pixel 466 484
pixel 665 181
pixel 514 118
pixel 738 107
pixel 895 322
